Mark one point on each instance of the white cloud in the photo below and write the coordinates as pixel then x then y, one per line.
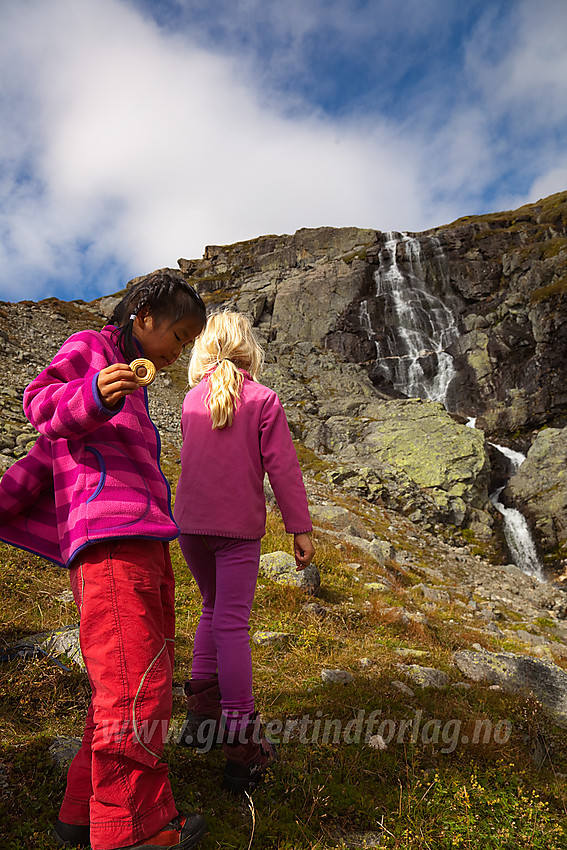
pixel 550 183
pixel 522 72
pixel 151 148
pixel 128 146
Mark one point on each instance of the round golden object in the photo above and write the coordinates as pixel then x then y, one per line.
pixel 144 370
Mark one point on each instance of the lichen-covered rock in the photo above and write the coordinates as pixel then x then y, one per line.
pixel 424 677
pixel 410 453
pixel 63 750
pixel 543 679
pixel 64 642
pixel 342 677
pixel 281 568
pixel 376 586
pixel 270 638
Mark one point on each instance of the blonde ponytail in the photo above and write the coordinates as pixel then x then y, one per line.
pixel 226 346
pixel 225 386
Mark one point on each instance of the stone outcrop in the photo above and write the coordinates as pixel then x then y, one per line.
pixel 293 287
pixel 504 278
pixel 539 490
pixel 509 271
pixel 519 673
pixel 504 275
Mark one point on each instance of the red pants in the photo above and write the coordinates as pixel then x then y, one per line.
pixel 124 590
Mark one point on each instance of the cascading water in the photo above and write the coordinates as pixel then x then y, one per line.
pixel 516 530
pixel 413 329
pixel 417 325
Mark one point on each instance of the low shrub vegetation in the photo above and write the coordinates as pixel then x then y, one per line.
pixel 359 762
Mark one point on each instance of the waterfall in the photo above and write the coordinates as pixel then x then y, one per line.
pixel 516 530
pixel 412 327
pixel 417 325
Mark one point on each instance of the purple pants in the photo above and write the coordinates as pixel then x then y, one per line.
pixel 226 571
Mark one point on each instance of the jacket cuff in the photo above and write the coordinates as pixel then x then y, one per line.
pixel 98 400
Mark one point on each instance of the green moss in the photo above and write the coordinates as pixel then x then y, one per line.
pixel 552 209
pixel 557 288
pixel 309 460
pixel 357 254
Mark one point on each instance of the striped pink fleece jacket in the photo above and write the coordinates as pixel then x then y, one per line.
pixel 93 474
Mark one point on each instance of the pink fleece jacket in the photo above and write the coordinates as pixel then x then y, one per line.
pixel 93 474
pixel 220 491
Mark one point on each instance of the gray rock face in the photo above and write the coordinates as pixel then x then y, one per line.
pixel 510 269
pixel 505 275
pixel 505 278
pixel 544 680
pixel 539 490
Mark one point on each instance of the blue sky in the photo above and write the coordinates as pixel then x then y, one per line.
pixel 135 132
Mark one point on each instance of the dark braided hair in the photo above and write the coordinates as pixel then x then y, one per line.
pixel 167 297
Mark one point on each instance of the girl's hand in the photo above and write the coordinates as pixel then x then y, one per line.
pixel 303 549
pixel 114 382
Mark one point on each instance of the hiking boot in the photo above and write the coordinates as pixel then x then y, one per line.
pixel 71 834
pixel 201 728
pixel 183 832
pixel 247 758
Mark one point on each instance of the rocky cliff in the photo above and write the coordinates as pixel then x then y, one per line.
pixel 510 273
pixel 503 278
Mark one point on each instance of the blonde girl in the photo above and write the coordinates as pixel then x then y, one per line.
pixel 234 432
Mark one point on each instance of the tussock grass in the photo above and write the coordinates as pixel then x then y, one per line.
pixel 449 777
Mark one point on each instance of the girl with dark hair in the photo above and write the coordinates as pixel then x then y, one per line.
pixel 91 496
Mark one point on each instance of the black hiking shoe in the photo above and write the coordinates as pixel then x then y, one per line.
pixel 247 759
pixel 182 833
pixel 71 834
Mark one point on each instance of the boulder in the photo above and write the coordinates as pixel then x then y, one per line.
pixel 264 638
pixel 424 677
pixel 281 568
pixel 342 677
pixel 543 679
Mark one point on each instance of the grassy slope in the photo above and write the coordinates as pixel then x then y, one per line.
pixel 429 790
